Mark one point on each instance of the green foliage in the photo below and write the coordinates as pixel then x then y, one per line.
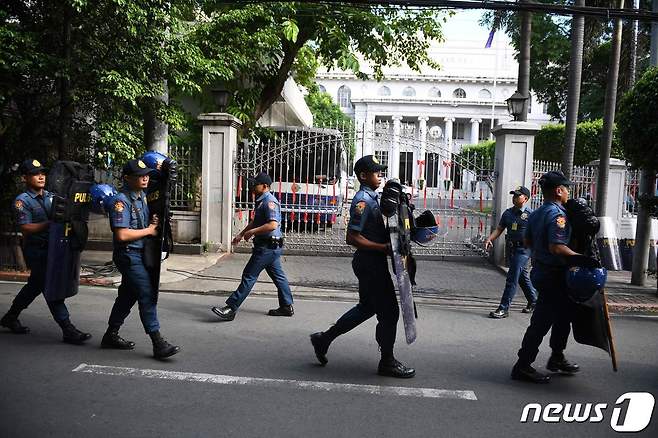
pixel 637 122
pixel 551 54
pixel 327 114
pixel 485 150
pixel 549 143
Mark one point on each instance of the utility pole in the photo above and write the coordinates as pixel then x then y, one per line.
pixel 573 96
pixel 647 188
pixel 524 60
pixel 609 117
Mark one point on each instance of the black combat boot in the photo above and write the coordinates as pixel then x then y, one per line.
pixel 10 321
pixel 282 311
pixel 321 346
pixel 225 313
pixel 111 339
pixel 161 348
pixel 529 374
pixel 389 366
pixel 72 335
pixel 558 363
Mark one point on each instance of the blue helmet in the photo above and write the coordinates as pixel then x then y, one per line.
pixel 153 159
pixel 424 234
pixel 583 283
pixel 101 197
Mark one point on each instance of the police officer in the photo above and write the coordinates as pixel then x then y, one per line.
pixel 547 235
pixel 33 208
pixel 368 234
pixel 515 221
pixel 265 228
pixel 129 220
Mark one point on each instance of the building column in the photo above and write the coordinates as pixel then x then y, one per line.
pixel 475 130
pixel 369 135
pixel 394 155
pixel 420 158
pixel 448 132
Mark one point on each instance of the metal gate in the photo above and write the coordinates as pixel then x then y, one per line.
pixel 311 172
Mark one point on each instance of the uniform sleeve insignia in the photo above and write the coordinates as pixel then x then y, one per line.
pixel 18 204
pixel 272 205
pixel 561 221
pixel 360 206
pixel 118 206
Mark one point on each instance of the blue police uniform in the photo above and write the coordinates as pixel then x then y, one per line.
pixel 130 210
pixel 266 255
pixel 33 208
pixel 376 290
pixel 515 221
pixel 547 225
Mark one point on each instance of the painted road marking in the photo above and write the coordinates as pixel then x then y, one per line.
pixel 400 391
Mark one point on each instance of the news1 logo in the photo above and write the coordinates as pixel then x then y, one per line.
pixel 631 413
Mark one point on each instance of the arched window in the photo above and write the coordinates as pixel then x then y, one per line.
pixel 434 92
pixel 384 91
pixel 322 89
pixel 484 94
pixel 344 96
pixel 409 92
pixel 459 93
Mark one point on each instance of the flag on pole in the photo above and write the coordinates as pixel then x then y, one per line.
pixel 490 39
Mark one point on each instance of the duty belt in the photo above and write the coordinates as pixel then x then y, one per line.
pixel 271 242
pixel 515 244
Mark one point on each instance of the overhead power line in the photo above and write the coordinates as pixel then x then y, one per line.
pixel 590 11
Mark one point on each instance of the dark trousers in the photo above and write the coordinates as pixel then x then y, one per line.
pixel 553 310
pixel 518 274
pixel 268 259
pixel 36 259
pixel 135 288
pixel 376 297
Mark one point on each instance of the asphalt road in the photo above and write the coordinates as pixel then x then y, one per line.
pixel 457 350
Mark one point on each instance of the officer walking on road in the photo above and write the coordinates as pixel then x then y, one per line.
pixel 33 209
pixel 128 219
pixel 515 221
pixel 547 235
pixel 368 234
pixel 265 228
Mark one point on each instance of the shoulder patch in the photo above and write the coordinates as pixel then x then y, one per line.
pixel 272 205
pixel 360 206
pixel 118 206
pixel 18 204
pixel 561 221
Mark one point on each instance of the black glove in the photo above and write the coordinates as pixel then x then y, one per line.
pixel 583 261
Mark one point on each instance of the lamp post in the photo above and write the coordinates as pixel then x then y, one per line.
pixel 516 104
pixel 220 96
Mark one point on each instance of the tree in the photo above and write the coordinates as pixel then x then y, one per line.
pixel 338 35
pixel 550 57
pixel 327 114
pixel 637 123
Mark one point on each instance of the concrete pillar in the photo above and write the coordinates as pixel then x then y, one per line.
pixel 219 141
pixel 475 131
pixel 515 142
pixel 394 159
pixel 369 135
pixel 420 159
pixel 614 207
pixel 448 132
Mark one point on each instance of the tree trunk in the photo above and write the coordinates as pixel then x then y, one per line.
pixel 156 132
pixel 64 150
pixel 573 96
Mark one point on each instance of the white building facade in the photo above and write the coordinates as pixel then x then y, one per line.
pixel 452 107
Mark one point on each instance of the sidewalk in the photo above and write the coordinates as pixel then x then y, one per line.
pixel 454 283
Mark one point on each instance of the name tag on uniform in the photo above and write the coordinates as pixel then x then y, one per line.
pixel 515 226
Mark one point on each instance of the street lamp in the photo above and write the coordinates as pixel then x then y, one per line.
pixel 515 104
pixel 220 97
